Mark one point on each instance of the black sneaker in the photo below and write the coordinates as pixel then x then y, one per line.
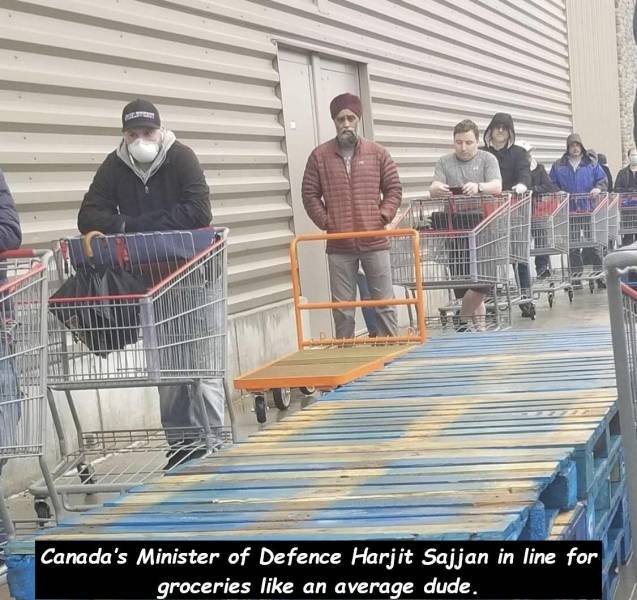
pixel 181 457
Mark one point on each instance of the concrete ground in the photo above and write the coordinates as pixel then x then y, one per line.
pixel 587 310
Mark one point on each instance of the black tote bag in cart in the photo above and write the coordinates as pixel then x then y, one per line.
pixel 97 303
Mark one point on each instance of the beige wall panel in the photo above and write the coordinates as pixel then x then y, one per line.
pixel 594 76
pixel 68 66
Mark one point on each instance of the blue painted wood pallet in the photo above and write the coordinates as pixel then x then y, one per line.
pixel 604 497
pixel 496 454
pixel 570 525
pixel 617 547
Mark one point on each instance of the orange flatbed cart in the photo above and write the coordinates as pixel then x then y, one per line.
pixel 326 363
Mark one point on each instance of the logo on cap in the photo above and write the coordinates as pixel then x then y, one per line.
pixel 139 114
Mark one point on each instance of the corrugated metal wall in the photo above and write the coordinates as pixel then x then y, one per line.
pixel 68 66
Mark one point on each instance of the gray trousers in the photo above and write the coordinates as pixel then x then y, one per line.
pixel 180 407
pixel 343 277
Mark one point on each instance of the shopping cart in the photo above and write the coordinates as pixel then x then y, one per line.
pixel 173 332
pixel 550 233
pixel 464 243
pixel 613 221
pixel 588 238
pixel 23 355
pixel 627 217
pixel 622 305
pixel 520 249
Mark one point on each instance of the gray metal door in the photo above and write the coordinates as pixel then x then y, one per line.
pixel 308 84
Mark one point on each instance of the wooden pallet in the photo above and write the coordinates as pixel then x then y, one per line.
pixel 397 456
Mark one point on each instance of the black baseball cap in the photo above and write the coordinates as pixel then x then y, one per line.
pixel 140 113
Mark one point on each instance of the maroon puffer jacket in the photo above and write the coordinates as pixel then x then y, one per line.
pixel 364 201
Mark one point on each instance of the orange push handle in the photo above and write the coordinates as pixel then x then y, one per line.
pixel 418 301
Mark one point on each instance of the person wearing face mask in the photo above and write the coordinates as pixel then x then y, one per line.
pixel 626 183
pixel 352 184
pixel 153 182
pixel 499 140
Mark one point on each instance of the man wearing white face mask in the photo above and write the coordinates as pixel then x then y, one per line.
pixel 152 182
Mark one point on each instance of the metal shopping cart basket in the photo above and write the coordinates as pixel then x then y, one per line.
pixel 588 237
pixel 627 217
pixel 550 236
pixel 464 243
pixel 613 221
pixel 173 332
pixel 23 358
pixel 520 249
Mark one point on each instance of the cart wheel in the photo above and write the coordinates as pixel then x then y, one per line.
pixel 551 297
pixel 308 391
pixel 570 295
pixel 591 285
pixel 42 509
pixel 281 398
pixel 86 472
pixel 260 408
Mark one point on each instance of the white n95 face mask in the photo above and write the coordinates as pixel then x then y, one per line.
pixel 143 151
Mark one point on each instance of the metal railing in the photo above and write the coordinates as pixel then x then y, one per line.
pixel 622 304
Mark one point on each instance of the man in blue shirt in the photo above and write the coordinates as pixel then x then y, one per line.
pixel 577 173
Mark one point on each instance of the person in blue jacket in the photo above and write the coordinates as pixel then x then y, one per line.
pixel 10 239
pixel 577 173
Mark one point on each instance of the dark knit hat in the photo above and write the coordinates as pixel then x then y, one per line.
pixel 343 101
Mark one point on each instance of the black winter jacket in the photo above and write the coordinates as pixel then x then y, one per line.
pixel 175 197
pixel 540 182
pixel 514 166
pixel 626 181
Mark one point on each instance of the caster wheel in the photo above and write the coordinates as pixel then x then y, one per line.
pixel 551 299
pixel 260 408
pixel 281 398
pixel 42 510
pixel 86 472
pixel 570 295
pixel 308 391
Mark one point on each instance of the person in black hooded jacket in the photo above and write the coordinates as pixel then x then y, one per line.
pixel 499 140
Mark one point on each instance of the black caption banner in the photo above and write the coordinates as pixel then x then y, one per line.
pixel 341 569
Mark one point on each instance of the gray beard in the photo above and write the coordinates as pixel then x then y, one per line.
pixel 347 140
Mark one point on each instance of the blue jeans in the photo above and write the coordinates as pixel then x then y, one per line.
pixel 542 263
pixel 524 278
pixel 369 313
